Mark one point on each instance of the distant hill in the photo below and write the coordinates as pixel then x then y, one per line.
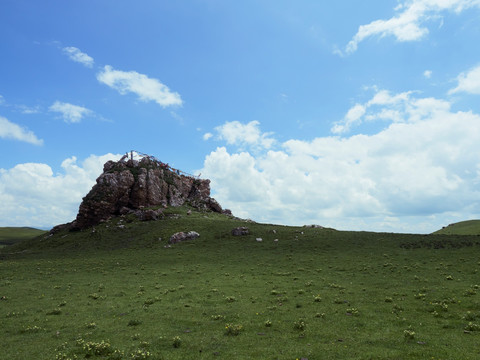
pixel 13 235
pixel 470 227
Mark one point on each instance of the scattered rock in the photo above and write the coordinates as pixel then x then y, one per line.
pixel 183 236
pixel 239 231
pixel 259 239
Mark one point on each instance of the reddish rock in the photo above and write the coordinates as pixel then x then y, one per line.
pixel 129 185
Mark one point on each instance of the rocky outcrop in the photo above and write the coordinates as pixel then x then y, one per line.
pixel 129 186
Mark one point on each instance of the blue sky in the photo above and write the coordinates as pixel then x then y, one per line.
pixel 356 115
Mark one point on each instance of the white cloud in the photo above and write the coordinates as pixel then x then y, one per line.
pixel 2 100
pixel 427 74
pixel 468 82
pixel 385 107
pixel 416 175
pixel 9 130
pixel 207 136
pixel 70 113
pixel 147 89
pixel 76 55
pixel 32 195
pixel 24 109
pixel 236 133
pixel 407 25
pixel 353 115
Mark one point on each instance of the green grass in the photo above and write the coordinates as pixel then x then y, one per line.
pixel 119 293
pixel 470 227
pixel 13 235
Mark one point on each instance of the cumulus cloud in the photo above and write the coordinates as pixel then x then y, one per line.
pixel 70 113
pixel 31 194
pixel 9 130
pixel 468 82
pixel 427 74
pixel 244 135
pixel 415 175
pixel 398 108
pixel 408 23
pixel 147 89
pixel 76 55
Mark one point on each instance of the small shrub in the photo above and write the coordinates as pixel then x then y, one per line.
pixel 32 329
pixel 469 292
pixel 472 327
pixel 409 334
pixel 317 298
pixel 134 322
pixel 233 329
pixel 140 354
pixel 176 342
pixel 54 312
pixel 94 296
pixel 352 311
pixel 469 316
pixel 300 325
pixel 102 348
pixel 268 323
pixel 149 302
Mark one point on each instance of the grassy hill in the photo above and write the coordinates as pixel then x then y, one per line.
pixel 470 227
pixel 12 235
pixel 118 291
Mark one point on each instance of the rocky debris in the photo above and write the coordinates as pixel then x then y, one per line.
pixel 183 236
pixel 259 239
pixel 149 215
pixel 239 231
pixel 227 212
pixel 314 226
pixel 127 186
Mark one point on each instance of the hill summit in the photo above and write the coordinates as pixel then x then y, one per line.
pixel 143 187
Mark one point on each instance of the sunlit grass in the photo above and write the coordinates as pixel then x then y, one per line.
pixel 315 293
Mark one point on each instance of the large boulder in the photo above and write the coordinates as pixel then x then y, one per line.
pixel 129 185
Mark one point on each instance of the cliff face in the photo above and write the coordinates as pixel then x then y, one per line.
pixel 129 185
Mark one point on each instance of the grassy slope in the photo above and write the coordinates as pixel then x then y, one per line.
pixel 327 294
pixel 470 227
pixel 12 235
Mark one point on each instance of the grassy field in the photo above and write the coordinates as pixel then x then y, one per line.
pixel 13 235
pixel 469 227
pixel 119 292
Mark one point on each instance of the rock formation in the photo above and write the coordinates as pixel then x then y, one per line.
pixel 129 185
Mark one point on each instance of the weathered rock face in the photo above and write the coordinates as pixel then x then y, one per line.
pixel 126 186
